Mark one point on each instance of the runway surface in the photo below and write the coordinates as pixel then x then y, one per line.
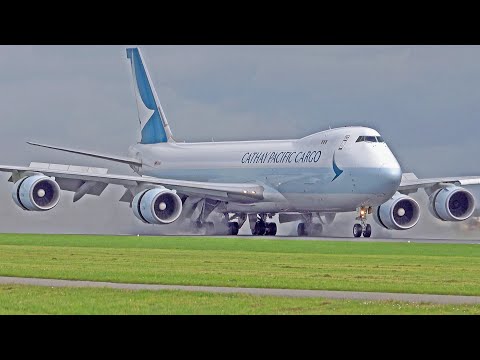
pixel 425 240
pixel 436 299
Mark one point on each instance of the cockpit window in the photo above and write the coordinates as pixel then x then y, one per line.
pixel 370 139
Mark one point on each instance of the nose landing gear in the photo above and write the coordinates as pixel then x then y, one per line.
pixel 363 227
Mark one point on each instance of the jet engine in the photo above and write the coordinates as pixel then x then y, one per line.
pixel 36 193
pixel 452 203
pixel 401 212
pixel 157 206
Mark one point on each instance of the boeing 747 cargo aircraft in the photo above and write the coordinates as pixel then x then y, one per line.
pixel 310 180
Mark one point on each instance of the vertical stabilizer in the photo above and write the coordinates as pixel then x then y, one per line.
pixel 153 122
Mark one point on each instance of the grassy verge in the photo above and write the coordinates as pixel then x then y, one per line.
pixel 17 299
pixel 384 267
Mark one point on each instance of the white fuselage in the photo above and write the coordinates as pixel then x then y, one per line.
pixel 325 172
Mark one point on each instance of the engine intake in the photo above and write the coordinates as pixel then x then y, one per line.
pixel 36 193
pixel 401 212
pixel 157 206
pixel 452 203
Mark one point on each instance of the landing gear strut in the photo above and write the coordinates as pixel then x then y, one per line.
pixel 363 227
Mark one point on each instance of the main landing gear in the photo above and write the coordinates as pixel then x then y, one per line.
pixel 205 228
pixel 209 228
pixel 233 228
pixel 308 228
pixel 260 227
pixel 363 227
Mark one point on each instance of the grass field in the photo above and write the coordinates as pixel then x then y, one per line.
pixel 16 299
pixel 244 262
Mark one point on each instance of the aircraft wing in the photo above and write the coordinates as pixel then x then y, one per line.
pixel 411 183
pixel 72 178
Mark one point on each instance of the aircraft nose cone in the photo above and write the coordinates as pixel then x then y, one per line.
pixel 390 170
pixel 389 179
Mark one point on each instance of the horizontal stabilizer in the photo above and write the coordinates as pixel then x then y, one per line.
pixel 115 158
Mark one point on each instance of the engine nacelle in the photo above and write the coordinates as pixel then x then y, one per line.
pixel 401 212
pixel 36 193
pixel 452 203
pixel 157 206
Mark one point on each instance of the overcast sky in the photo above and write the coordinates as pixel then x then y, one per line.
pixel 424 100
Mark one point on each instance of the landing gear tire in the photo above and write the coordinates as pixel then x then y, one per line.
pixel 363 227
pixel 271 229
pixel 205 228
pixel 316 230
pixel 301 230
pixel 368 231
pixel 209 228
pixel 309 230
pixel 259 229
pixel 233 228
pixel 198 228
pixel 357 230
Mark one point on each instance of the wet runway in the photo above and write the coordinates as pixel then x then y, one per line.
pixel 371 240
pixel 424 240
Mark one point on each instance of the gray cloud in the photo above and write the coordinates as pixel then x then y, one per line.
pixel 425 100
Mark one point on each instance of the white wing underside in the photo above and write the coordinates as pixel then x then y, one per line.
pixel 72 178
